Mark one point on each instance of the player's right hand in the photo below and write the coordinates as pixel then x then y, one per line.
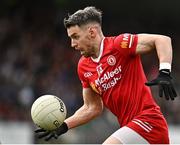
pixel 47 135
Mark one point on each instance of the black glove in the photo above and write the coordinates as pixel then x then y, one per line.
pixel 164 81
pixel 52 134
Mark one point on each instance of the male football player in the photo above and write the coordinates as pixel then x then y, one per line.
pixel 112 75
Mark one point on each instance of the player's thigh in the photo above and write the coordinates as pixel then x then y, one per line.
pixel 112 140
pixel 125 135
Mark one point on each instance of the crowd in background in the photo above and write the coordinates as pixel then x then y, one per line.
pixel 36 59
pixel 34 63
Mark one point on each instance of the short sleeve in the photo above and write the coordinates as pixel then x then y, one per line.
pixel 83 79
pixel 126 43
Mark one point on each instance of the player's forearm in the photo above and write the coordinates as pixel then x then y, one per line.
pixel 82 116
pixel 164 49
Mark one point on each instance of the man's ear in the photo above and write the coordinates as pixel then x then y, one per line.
pixel 92 32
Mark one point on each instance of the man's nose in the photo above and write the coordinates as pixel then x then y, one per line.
pixel 73 44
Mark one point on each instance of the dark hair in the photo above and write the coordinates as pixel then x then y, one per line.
pixel 82 17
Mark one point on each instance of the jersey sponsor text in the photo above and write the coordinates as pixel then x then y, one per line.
pixel 104 80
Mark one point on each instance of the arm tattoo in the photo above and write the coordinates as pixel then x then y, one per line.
pixel 143 47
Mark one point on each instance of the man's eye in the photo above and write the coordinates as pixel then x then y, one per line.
pixel 76 37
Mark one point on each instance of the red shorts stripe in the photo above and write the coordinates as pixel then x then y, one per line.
pixel 152 126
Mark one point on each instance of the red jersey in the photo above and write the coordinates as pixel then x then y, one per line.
pixel 118 76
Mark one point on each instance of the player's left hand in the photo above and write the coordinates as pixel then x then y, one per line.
pixel 164 81
pixel 47 135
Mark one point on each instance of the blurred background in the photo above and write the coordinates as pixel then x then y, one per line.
pixel 36 59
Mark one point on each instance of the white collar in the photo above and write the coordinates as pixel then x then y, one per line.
pixel 100 53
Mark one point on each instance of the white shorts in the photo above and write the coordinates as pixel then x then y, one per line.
pixel 128 136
